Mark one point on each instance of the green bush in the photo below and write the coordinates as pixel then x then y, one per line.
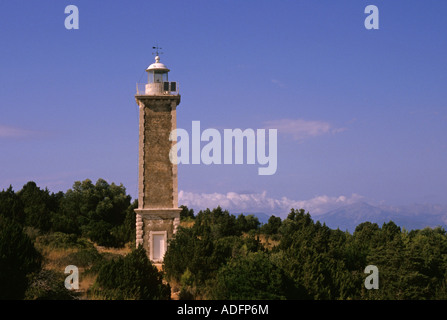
pixel 247 223
pixel 205 248
pixel 100 233
pixel 38 206
pixel 59 240
pixel 200 254
pixel 18 259
pixel 49 285
pixel 186 214
pixel 186 286
pixel 272 226
pixel 253 277
pixel 216 223
pixel 84 258
pixel 131 278
pixel 11 205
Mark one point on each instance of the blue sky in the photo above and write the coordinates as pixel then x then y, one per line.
pixel 361 114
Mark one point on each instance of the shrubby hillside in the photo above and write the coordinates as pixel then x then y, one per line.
pixel 298 258
pixel 214 255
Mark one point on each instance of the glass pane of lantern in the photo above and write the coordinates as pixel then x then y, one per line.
pixel 151 77
pixel 158 77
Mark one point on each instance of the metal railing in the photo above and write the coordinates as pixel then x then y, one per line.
pixel 162 88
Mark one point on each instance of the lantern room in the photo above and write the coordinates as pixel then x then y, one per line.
pixel 158 83
pixel 157 72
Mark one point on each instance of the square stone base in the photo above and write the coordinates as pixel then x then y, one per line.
pixel 160 224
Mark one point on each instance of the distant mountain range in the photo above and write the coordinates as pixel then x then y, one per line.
pixel 409 217
pixel 417 216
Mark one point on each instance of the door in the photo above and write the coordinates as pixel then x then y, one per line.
pixel 158 246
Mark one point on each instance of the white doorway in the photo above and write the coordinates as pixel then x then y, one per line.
pixel 158 245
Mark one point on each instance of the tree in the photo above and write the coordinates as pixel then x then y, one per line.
pixel 189 251
pixel 18 259
pixel 132 277
pixel 96 211
pixel 186 213
pixel 126 231
pixel 199 253
pixel 49 285
pixel 216 223
pixel 390 230
pixel 99 232
pixel 272 226
pixel 247 223
pixel 310 254
pixel 254 277
pixel 11 206
pixel 38 206
pixel 296 221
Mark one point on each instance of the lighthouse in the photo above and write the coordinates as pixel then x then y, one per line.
pixel 158 214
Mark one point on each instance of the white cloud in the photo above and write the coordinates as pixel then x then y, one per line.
pixel 12 132
pixel 260 202
pixel 300 129
pixel 278 83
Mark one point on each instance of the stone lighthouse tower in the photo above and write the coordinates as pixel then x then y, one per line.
pixel 158 214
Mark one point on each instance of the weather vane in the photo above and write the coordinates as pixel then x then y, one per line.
pixel 157 49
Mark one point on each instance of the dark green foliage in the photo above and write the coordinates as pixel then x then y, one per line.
pixel 272 226
pixel 187 251
pixel 65 222
pixel 216 223
pixel 18 259
pixel 254 276
pixel 84 258
pixel 96 211
pixel 100 232
pixel 38 206
pixel 203 255
pixel 126 231
pixel 102 212
pixel 11 206
pixel 413 264
pixel 131 277
pixel 220 255
pixel 49 285
pixel 311 255
pixel 247 223
pixel 61 240
pixel 186 214
pixel 315 261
